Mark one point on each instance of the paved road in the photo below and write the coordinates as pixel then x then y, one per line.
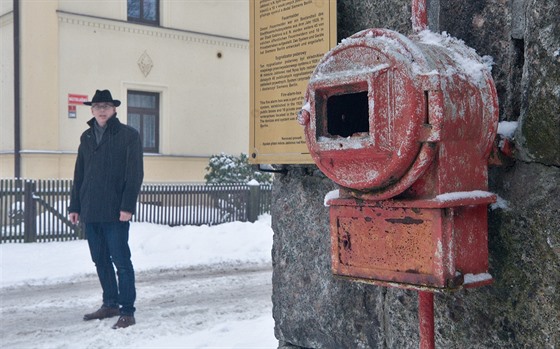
pixel 169 303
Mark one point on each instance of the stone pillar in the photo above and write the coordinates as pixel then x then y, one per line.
pixel 521 309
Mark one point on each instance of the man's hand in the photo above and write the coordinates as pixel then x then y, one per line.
pixel 125 216
pixel 74 217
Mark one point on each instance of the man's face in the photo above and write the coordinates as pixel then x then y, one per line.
pixel 102 112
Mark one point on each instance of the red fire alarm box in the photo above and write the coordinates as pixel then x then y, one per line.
pixel 405 126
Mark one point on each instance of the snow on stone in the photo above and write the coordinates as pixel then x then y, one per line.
pixel 253 182
pixel 507 128
pixel 488 62
pixel 473 278
pixel 500 204
pixel 331 195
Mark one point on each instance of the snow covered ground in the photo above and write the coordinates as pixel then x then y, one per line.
pixel 198 287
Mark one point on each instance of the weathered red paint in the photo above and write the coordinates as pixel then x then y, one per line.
pixel 419 15
pixel 399 123
pixel 426 319
pixel 414 244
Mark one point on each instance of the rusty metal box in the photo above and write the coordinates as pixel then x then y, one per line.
pixel 417 244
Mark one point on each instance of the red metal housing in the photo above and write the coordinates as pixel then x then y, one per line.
pixel 420 244
pixel 399 123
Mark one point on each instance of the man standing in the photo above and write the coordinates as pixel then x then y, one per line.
pixel 107 179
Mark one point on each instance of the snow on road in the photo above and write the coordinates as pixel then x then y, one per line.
pixel 179 308
pixel 219 299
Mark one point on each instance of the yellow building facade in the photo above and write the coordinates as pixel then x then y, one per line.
pixel 180 69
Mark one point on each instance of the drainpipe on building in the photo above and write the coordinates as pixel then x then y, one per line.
pixel 17 104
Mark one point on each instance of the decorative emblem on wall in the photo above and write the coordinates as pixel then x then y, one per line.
pixel 145 63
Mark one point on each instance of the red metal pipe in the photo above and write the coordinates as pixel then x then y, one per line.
pixel 419 15
pixel 426 319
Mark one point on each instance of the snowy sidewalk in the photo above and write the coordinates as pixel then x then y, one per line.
pixel 179 308
pixel 198 287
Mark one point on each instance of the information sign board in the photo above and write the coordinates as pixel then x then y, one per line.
pixel 287 40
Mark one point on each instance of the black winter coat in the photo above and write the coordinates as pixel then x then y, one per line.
pixel 108 176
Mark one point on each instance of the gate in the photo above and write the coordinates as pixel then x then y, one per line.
pixel 32 211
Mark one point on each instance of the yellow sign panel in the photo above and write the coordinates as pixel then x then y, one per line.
pixel 287 40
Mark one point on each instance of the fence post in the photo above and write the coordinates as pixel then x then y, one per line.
pixel 29 212
pixel 253 203
pixel 81 231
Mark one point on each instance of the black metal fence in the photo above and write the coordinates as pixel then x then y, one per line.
pixel 36 210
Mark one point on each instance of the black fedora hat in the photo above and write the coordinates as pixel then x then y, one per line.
pixel 103 97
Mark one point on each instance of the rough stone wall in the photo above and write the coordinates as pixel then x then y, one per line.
pixel 522 308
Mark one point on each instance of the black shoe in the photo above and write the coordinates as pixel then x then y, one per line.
pixel 102 313
pixel 124 322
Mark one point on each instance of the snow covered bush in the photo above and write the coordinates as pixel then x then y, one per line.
pixel 224 168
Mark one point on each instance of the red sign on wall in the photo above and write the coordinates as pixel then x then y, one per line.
pixel 72 111
pixel 77 99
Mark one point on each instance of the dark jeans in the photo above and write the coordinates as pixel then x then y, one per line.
pixel 108 244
